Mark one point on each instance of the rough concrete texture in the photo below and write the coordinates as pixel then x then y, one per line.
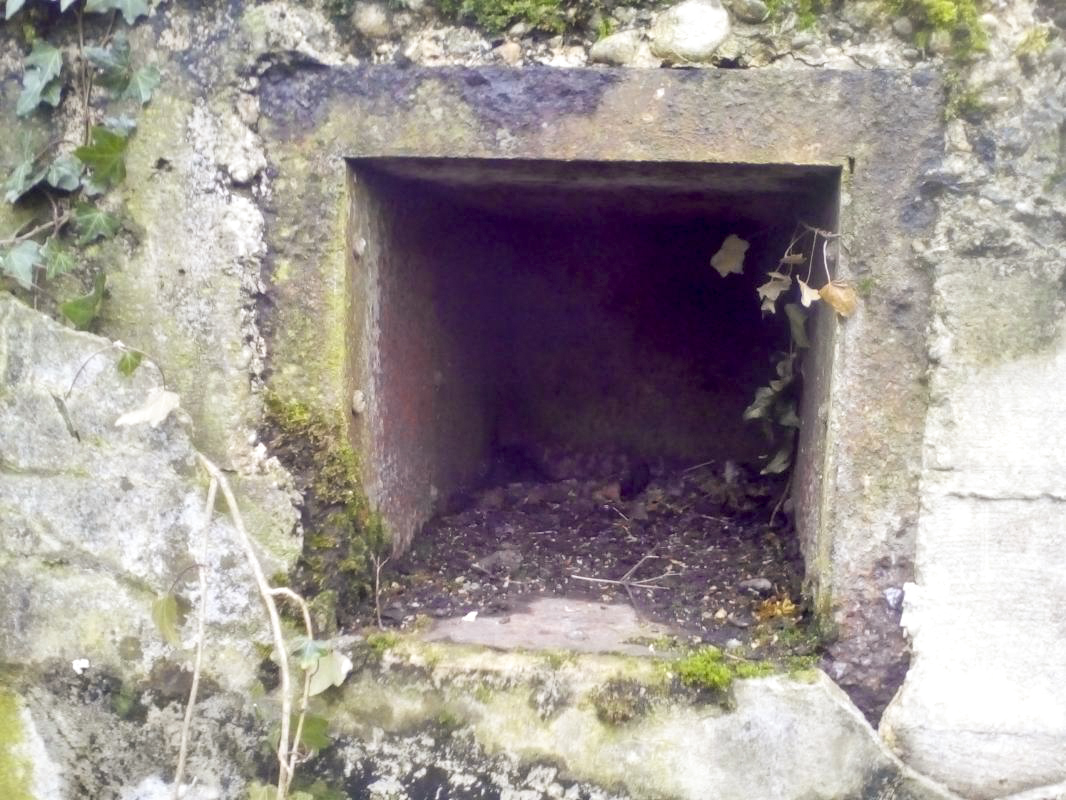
pixel 100 519
pixel 858 471
pixel 994 261
pixel 983 706
pixel 555 623
pixel 624 723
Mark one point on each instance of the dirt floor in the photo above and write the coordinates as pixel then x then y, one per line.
pixel 688 546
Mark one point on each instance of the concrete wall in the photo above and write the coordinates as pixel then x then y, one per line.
pixel 936 426
pixel 863 456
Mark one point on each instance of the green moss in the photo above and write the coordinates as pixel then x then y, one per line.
pixel 1035 42
pixel 342 534
pixel 382 641
pixel 496 16
pixel 705 669
pixel 957 18
pixel 709 669
pixel 620 700
pixel 336 478
pixel 866 286
pixel 807 11
pixel 15 773
pixel 962 102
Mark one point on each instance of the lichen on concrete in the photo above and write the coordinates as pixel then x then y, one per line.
pixel 613 725
pixel 16 771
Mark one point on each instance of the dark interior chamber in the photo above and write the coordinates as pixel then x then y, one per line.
pixel 562 304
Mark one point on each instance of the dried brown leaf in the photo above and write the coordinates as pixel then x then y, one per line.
pixel 841 297
pixel 730 256
pixel 772 289
pixel 807 294
pixel 777 606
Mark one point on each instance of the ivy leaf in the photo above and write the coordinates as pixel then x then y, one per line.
pixel 11 8
pixel 91 187
pixel 113 63
pixel 165 617
pixel 129 362
pixel 36 90
pixel 115 58
pixel 315 733
pixel 20 262
pixel 781 461
pixel 57 259
pixel 730 256
pixel 308 651
pixel 841 297
pixel 770 290
pixel 760 406
pixel 331 670
pixel 142 83
pixel 797 323
pixel 807 294
pixel 40 83
pixel 83 310
pixel 47 58
pixel 64 173
pixel 23 178
pixel 131 9
pixel 105 156
pixel 93 223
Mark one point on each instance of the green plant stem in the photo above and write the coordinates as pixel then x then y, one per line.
pixel 56 223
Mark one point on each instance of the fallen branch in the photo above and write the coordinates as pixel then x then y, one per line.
pixel 637 584
pixel 628 584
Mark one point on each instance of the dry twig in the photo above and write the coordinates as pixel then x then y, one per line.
pixel 186 725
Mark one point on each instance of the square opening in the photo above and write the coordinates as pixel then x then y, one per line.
pixel 569 305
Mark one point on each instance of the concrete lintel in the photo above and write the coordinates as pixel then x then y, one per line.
pixel 865 400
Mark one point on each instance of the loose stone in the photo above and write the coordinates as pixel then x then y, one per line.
pixel 618 49
pixel 759 586
pixel 371 20
pixel 509 53
pixel 750 10
pixel 690 31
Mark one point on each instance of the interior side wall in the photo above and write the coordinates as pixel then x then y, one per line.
pixel 420 357
pixel 809 485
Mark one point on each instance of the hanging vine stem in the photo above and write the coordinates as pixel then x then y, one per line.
pixel 288 747
pixel 113 346
pixel 198 660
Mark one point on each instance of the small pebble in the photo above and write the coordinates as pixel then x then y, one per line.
pixel 758 586
pixel 740 619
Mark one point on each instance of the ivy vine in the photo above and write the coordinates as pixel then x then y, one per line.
pixel 65 183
